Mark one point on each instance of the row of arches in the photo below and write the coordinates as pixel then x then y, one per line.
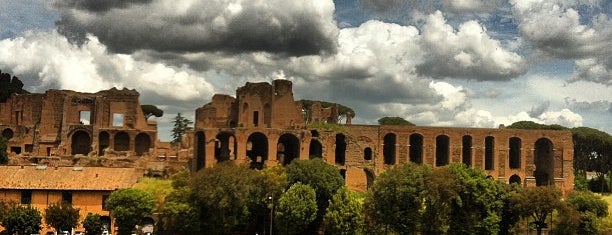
pixel 81 142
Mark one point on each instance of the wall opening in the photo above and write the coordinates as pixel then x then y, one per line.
pixel 7 133
pixel 103 142
pixel 81 143
pixel 143 143
pixel 515 153
pixel 340 150
pixel 343 173
pixel 85 117
pixel 26 197
pixel 315 150
pixel 256 118
pixel 389 142
pixel 416 148
pixel 515 179
pixel 122 141
pixel 257 150
pixel 67 197
pixel 367 154
pixel 442 150
pixel 466 150
pixel 200 151
pixel 118 119
pixel 288 148
pixel 543 160
pixel 489 153
pixel 370 176
pixel 16 149
pixel 225 147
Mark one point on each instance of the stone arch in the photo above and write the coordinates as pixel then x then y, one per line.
pixel 489 161
pixel 315 150
pixel 225 146
pixel 142 143
pixel 81 142
pixel 8 133
pixel 416 148
pixel 367 154
pixel 466 150
pixel 103 142
pixel 370 177
pixel 288 148
pixel 340 150
pixel 200 150
pixel 514 158
pixel 442 150
pixel 314 133
pixel 389 142
pixel 515 179
pixel 122 141
pixel 257 149
pixel 544 162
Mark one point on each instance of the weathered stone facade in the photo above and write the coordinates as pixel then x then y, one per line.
pixel 264 126
pixel 67 123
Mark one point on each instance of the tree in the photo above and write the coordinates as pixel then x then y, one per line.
pixel 344 215
pixel 581 213
pixel 151 110
pixel 3 153
pixel 592 151
pixel 179 215
pixel 442 190
pixel 21 219
pixel 129 206
pixel 398 121
pixel 529 125
pixel 62 216
pixel 296 209
pixel 537 203
pixel 181 126
pixel 9 86
pixel 269 184
pixel 322 177
pixel 395 200
pixel 92 224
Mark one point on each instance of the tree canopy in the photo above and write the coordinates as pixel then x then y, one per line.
pixel 322 177
pixel 181 126
pixel 151 110
pixel 530 125
pixel 129 206
pixel 20 219
pixel 592 150
pixel 92 223
pixel 344 215
pixel 62 216
pixel 9 86
pixel 537 203
pixel 398 121
pixel 296 209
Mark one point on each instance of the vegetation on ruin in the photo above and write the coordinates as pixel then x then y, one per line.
pixel 343 111
pixel 61 216
pixel 151 110
pixel 10 86
pixel 530 125
pixel 397 121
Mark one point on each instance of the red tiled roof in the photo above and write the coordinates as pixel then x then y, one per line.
pixel 67 178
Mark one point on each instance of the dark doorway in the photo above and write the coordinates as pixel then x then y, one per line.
pixel 7 134
pixel 515 179
pixel 340 150
pixel 122 141
pixel 225 147
pixel 543 160
pixel 367 154
pixel 489 152
pixel 143 143
pixel 389 143
pixel 466 150
pixel 442 150
pixel 103 142
pixel 288 148
pixel 81 143
pixel 200 151
pixel 416 148
pixel 515 153
pixel 315 150
pixel 257 150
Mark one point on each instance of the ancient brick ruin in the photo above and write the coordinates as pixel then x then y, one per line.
pixel 263 126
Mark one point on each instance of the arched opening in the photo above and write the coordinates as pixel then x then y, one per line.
pixel 81 143
pixel 543 160
pixel 200 150
pixel 442 150
pixel 143 143
pixel 515 153
pixel 103 142
pixel 416 148
pixel 367 154
pixel 515 179
pixel 122 141
pixel 225 147
pixel 466 150
pixel 314 133
pixel 370 176
pixel 7 133
pixel 315 150
pixel 340 149
pixel 288 148
pixel 489 152
pixel 389 142
pixel 257 150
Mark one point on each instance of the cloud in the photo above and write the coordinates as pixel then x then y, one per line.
pixel 598 70
pixel 471 5
pixel 595 106
pixel 468 52
pixel 539 109
pixel 230 26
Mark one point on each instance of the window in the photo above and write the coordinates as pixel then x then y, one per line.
pixel 85 117
pixel 67 197
pixel 26 197
pixel 489 152
pixel 256 118
pixel 104 197
pixel 117 119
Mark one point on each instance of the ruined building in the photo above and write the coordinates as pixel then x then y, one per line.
pixel 263 125
pixel 67 123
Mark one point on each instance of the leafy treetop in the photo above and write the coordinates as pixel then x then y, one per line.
pixel 151 110
pixel 535 126
pixel 394 121
pixel 9 86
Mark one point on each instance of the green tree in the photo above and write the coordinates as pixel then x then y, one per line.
pixel 3 153
pixel 537 203
pixel 178 215
pixel 344 215
pixel 21 219
pixel 151 110
pixel 398 121
pixel 62 216
pixel 159 188
pixel 296 209
pixel 9 86
pixel 128 207
pixel 592 151
pixel 92 224
pixel 529 125
pixel 442 191
pixel 268 183
pixel 395 201
pixel 181 126
pixel 581 213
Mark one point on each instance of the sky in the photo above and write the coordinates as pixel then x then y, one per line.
pixel 460 63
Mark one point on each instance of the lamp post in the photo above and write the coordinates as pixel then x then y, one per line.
pixel 271 213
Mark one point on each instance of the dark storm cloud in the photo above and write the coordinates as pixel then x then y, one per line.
pixel 539 109
pixel 595 106
pixel 297 28
pixel 97 5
